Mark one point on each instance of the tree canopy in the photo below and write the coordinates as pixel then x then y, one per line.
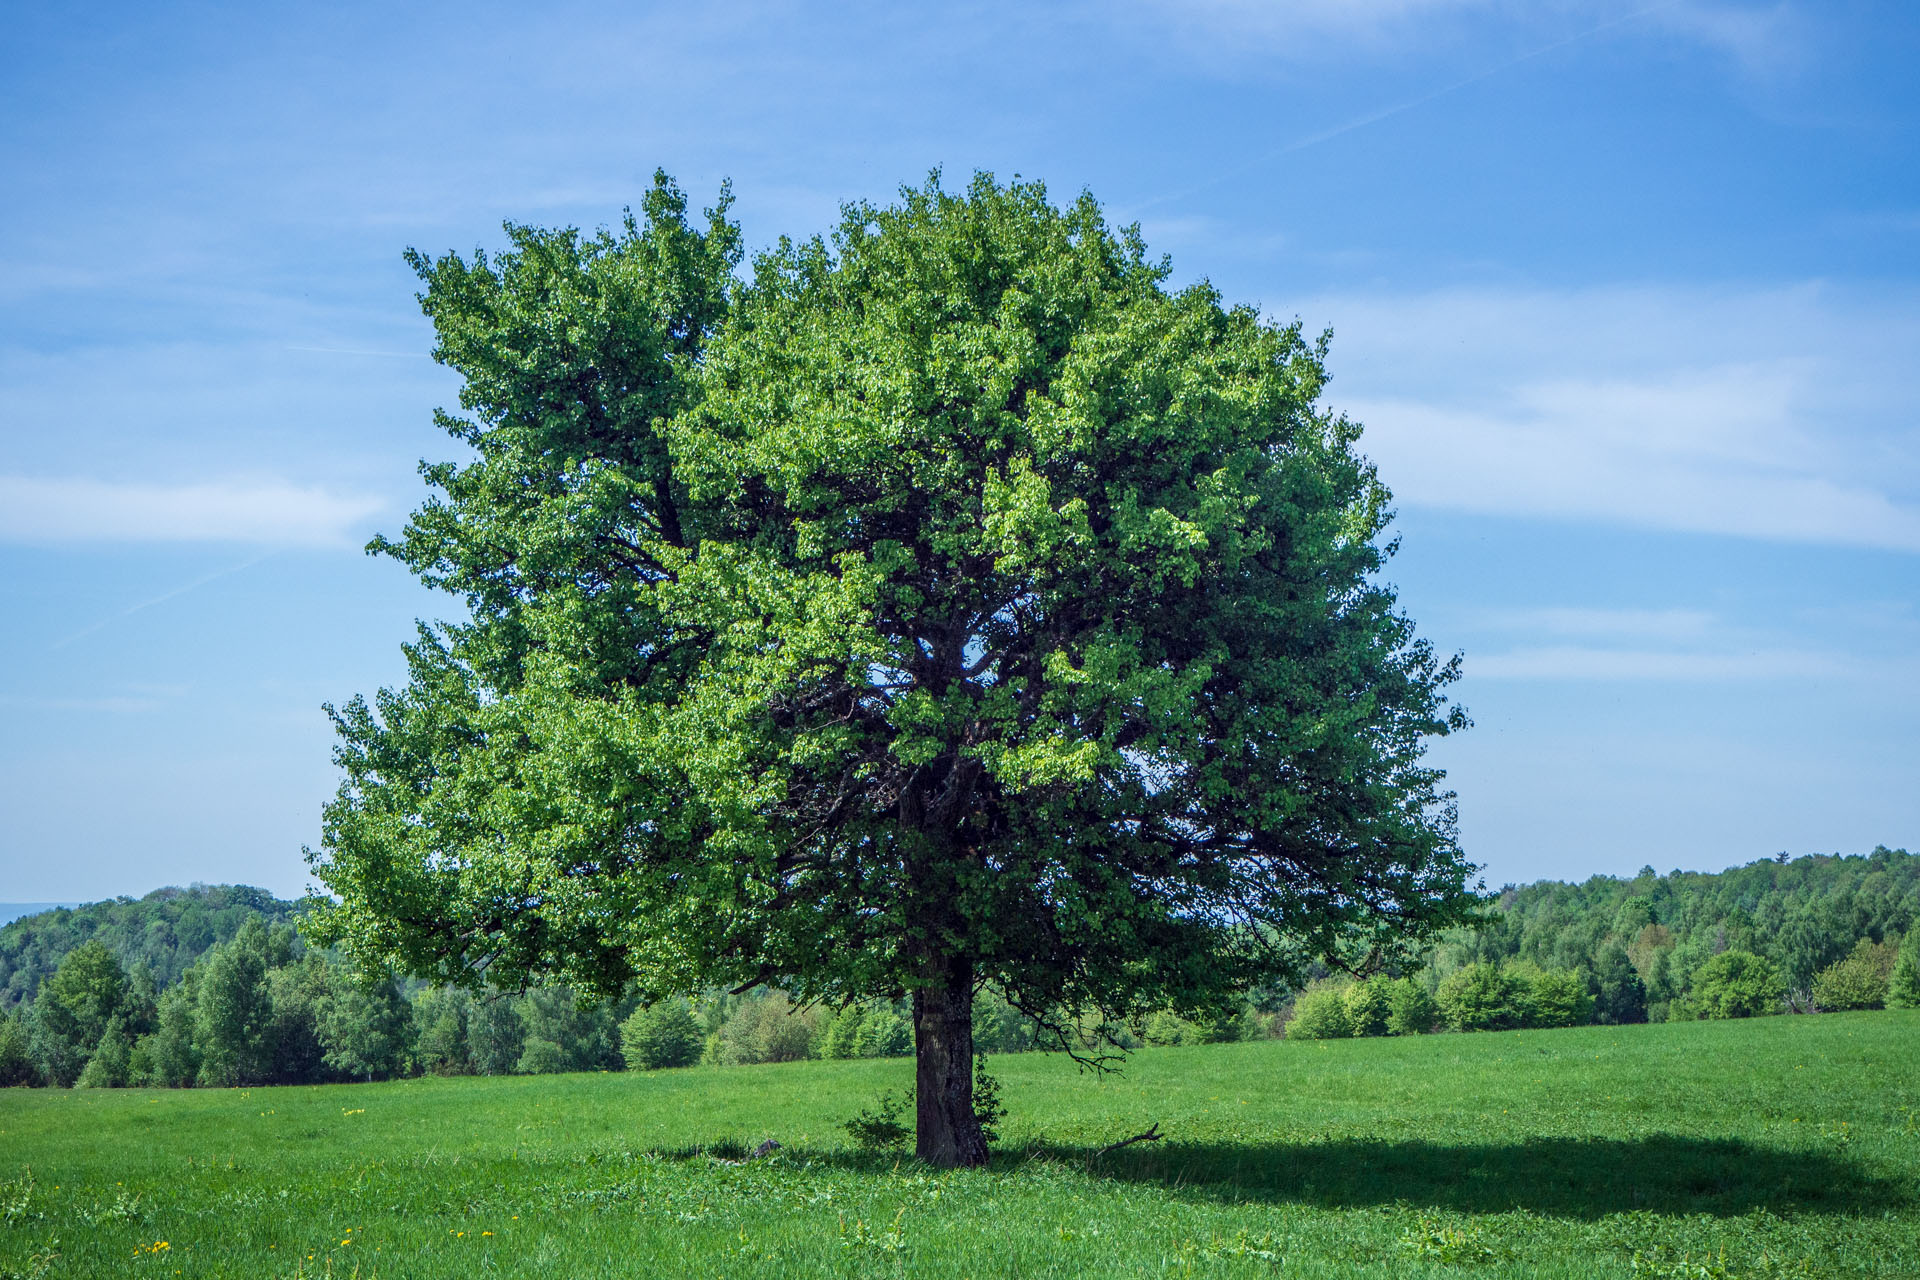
pixel 954 602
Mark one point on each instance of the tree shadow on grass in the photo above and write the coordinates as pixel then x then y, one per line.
pixel 1562 1177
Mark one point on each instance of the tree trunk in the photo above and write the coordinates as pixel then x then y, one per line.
pixel 946 1132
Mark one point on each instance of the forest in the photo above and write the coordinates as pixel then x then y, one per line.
pixel 214 985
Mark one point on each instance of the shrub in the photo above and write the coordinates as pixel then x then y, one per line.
pixel 108 1068
pixel 1369 1006
pixel 1410 1010
pixel 16 1064
pixel 541 1058
pixel 1558 998
pixel 661 1035
pixel 878 1127
pixel 769 1028
pixel 841 1037
pixel 1859 981
pixel 1320 1014
pixel 1903 987
pixel 1481 997
pixel 1737 984
pixel 883 1033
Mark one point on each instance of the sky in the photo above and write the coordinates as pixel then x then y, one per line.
pixel 1626 294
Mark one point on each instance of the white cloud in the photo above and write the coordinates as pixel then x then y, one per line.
pixel 1781 414
pixel 1761 37
pixel 1629 624
pixel 1581 662
pixel 44 510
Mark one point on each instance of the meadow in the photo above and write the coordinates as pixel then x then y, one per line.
pixel 1786 1146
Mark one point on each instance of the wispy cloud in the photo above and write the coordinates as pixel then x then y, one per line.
pixel 1584 662
pixel 1781 414
pixel 1759 36
pixel 43 510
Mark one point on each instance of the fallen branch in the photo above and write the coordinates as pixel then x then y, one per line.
pixel 1152 1134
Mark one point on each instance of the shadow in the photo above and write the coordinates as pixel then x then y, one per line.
pixel 1580 1178
pixel 1563 1177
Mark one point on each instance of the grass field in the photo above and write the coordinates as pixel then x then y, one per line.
pixel 1782 1146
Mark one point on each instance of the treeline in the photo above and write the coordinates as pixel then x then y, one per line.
pixel 263 1008
pixel 1813 934
pixel 166 932
pixel 214 986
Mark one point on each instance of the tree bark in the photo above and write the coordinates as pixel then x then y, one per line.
pixel 946 1131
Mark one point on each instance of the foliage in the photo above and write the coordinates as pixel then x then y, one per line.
pixel 1903 985
pixel 1484 997
pixel 16 1059
pixel 770 1028
pixel 986 1100
pixel 1737 984
pixel 662 1034
pixel 1804 914
pixel 1320 1014
pixel 954 603
pixel 166 932
pixel 1554 997
pixel 1369 1005
pixel 1411 1009
pixel 880 1126
pixel 1858 982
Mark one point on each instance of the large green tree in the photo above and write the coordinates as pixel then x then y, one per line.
pixel 954 603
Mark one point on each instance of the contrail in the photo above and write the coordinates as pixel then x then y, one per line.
pixel 1374 117
pixel 201 581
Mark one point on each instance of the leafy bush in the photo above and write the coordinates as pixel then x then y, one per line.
pixel 883 1033
pixel 1556 997
pixel 987 1107
pixel 1410 1010
pixel 1858 982
pixel 880 1126
pixel 1320 1014
pixel 1737 984
pixel 541 1058
pixel 769 1028
pixel 16 1063
pixel 1483 997
pixel 1369 1004
pixel 1903 987
pixel 661 1035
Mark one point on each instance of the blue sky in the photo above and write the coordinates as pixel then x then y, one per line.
pixel 1628 296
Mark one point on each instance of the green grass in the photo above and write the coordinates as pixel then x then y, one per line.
pixel 1789 1145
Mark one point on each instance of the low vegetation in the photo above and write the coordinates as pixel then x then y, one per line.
pixel 1732 1149
pixel 255 1005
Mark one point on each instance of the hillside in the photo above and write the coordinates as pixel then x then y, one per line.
pixel 1803 914
pixel 166 931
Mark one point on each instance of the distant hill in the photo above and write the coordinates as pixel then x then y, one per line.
pixel 1803 914
pixel 11 911
pixel 167 931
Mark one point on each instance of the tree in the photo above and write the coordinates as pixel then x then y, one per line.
pixel 1903 987
pixel 233 1010
pixel 1411 1010
pixel 662 1034
pixel 1859 981
pixel 364 1025
pixel 1737 984
pixel 1619 995
pixel 1320 1014
pixel 1484 997
pixel 955 604
pixel 1369 1005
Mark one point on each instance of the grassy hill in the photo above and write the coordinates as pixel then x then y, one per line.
pixel 1790 1145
